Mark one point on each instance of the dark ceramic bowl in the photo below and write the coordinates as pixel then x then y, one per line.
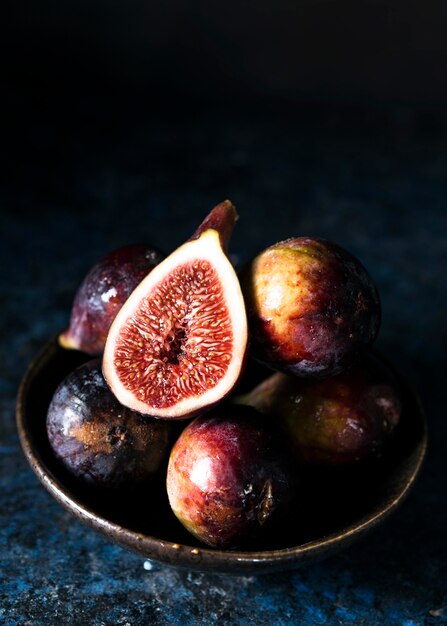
pixel 340 507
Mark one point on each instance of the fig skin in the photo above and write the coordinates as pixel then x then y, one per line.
pixel 311 306
pixel 98 440
pixel 102 293
pixel 229 477
pixel 337 421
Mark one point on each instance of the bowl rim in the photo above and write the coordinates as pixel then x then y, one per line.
pixel 193 557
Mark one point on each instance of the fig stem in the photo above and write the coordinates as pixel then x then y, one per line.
pixel 222 219
pixel 65 341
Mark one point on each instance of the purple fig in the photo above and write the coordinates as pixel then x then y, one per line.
pixel 228 477
pixel 102 294
pixel 98 440
pixel 311 306
pixel 334 421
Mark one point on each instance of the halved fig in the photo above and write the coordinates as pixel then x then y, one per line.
pixel 178 344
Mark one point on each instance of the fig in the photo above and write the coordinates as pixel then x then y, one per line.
pixel 102 293
pixel 99 441
pixel 311 306
pixel 336 421
pixel 228 479
pixel 178 344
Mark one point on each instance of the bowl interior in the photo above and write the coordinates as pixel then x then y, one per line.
pixel 335 507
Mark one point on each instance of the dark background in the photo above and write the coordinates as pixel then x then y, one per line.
pixel 367 52
pixel 128 121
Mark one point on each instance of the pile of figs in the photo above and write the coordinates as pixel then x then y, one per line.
pixel 269 369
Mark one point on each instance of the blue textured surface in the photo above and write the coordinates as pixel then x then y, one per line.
pixel 77 195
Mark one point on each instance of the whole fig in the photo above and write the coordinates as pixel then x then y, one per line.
pixel 335 421
pixel 311 306
pixel 102 294
pixel 98 440
pixel 228 478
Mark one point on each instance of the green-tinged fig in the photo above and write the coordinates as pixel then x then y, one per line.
pixel 102 293
pixel 311 306
pixel 334 421
pixel 228 478
pixel 99 441
pixel 178 344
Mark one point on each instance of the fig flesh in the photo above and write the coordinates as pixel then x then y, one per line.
pixel 178 344
pixel 99 441
pixel 312 307
pixel 102 293
pixel 228 479
pixel 335 421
